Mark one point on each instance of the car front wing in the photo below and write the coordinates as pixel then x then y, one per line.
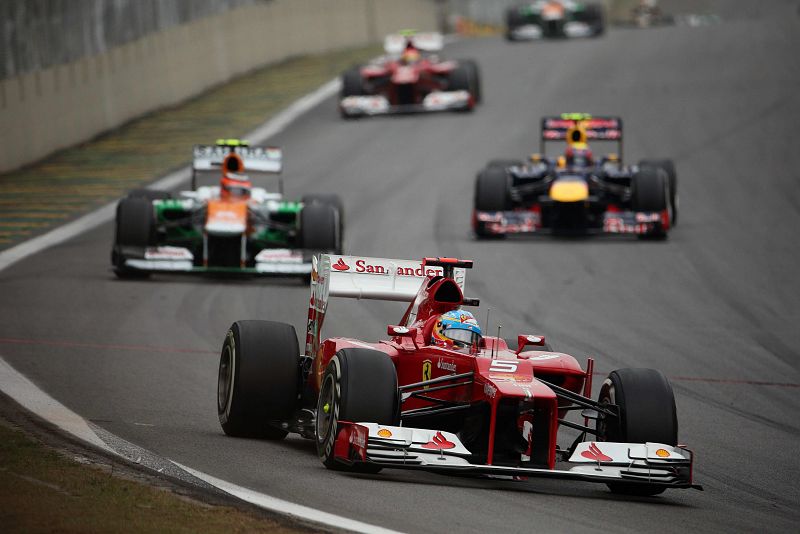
pixel 442 452
pixel 530 222
pixel 354 106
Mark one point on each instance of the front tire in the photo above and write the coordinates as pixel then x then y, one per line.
pixel 320 228
pixel 258 381
pixel 492 193
pixel 359 385
pixel 650 193
pixel 135 229
pixel 647 412
pixel 668 166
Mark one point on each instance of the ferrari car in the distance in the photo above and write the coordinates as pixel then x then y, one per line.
pixel 410 78
pixel 576 192
pixel 553 19
pixel 441 395
pixel 230 227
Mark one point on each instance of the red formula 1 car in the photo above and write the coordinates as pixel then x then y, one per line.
pixel 440 396
pixel 410 78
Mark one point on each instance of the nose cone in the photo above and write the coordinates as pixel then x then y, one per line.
pixel 569 191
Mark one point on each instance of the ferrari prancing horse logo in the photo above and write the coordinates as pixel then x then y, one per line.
pixel 427 366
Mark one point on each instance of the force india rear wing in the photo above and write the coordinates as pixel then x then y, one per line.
pixel 361 277
pixel 267 159
pixel 395 43
pixel 591 128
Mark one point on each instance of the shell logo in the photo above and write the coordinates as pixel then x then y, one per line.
pixel 662 453
pixel 385 433
pixel 341 265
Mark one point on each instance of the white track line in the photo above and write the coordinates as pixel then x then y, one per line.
pixel 286 507
pixel 33 399
pixel 27 394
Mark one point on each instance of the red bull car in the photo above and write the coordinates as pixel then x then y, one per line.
pixel 576 192
pixel 440 395
pixel 410 78
pixel 228 227
pixel 554 18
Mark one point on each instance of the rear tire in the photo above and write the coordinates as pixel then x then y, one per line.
pixel 150 194
pixel 258 382
pixel 135 228
pixel 647 412
pixel 650 193
pixel 332 200
pixel 504 163
pixel 319 228
pixel 360 386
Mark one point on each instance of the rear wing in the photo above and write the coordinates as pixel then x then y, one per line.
pixel 395 43
pixel 255 158
pixel 572 126
pixel 361 277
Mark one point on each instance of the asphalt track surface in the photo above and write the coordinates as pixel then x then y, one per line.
pixel 716 307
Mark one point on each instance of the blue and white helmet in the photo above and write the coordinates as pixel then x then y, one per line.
pixel 458 327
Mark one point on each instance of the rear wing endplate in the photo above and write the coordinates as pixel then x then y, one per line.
pixel 362 277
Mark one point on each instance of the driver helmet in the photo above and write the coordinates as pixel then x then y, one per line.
pixel 233 185
pixel 410 55
pixel 579 157
pixel 456 327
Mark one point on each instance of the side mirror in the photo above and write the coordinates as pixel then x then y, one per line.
pixel 523 340
pixel 403 331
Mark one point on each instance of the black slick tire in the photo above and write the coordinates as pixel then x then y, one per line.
pixel 149 194
pixel 668 166
pixel 474 75
pixel 258 381
pixel 134 229
pixel 650 193
pixel 332 200
pixel 492 193
pixel 359 385
pixel 352 83
pixel 646 405
pixel 320 228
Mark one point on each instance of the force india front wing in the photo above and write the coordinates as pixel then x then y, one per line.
pixel 354 106
pixel 270 261
pixel 530 221
pixel 442 452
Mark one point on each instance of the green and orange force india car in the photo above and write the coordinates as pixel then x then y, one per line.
pixel 415 401
pixel 576 192
pixel 231 227
pixel 554 18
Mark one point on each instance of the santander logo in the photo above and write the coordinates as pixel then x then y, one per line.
pixel 341 265
pixel 439 442
pixel 594 453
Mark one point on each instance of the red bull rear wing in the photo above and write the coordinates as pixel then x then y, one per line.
pixel 600 128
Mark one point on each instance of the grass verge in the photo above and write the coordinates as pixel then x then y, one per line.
pixel 76 180
pixel 42 490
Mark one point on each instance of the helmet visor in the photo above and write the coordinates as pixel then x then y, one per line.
pixel 462 337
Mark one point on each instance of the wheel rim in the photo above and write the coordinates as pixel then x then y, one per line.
pixel 606 399
pixel 225 379
pixel 326 409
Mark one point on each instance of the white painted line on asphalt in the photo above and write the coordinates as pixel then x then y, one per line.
pixel 102 215
pixel 286 507
pixel 33 399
